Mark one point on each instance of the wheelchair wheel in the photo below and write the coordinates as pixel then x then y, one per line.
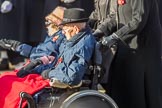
pixel 89 99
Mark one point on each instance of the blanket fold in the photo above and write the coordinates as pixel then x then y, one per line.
pixel 11 86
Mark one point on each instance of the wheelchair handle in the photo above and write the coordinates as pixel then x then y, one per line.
pixel 28 98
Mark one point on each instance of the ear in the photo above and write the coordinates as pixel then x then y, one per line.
pixel 76 29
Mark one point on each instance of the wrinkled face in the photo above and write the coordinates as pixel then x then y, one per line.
pixel 52 24
pixel 69 30
pixel 52 28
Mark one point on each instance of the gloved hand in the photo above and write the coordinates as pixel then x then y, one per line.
pixel 109 40
pixel 92 23
pixel 45 73
pixel 9 44
pixel 27 69
pixel 98 34
pixel 6 6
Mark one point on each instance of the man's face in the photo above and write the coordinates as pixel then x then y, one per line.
pixel 52 24
pixel 51 27
pixel 69 31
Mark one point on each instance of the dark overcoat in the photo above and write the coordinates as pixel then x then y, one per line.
pixel 136 70
pixel 160 10
pixel 24 22
pixel 101 13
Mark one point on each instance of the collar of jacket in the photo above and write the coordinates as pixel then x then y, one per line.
pixel 57 33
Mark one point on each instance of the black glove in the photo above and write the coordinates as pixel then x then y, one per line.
pixel 9 44
pixel 45 73
pixel 110 40
pixel 92 23
pixel 27 69
pixel 98 34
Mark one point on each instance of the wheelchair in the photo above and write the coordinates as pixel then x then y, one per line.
pixel 89 93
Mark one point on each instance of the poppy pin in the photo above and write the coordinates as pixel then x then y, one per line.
pixel 55 38
pixel 121 2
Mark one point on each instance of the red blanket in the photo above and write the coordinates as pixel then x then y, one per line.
pixel 11 86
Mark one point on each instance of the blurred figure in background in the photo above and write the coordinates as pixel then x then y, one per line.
pixel 23 23
pixel 160 10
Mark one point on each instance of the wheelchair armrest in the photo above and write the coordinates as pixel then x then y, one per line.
pixel 57 84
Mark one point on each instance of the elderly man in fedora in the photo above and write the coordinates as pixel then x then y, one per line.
pixel 46 51
pixel 75 51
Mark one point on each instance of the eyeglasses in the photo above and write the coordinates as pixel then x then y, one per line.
pixel 48 22
pixel 52 25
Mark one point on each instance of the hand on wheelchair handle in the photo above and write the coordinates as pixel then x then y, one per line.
pixel 109 40
pixel 9 44
pixel 98 34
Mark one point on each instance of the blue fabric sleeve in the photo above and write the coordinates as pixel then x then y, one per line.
pixel 24 49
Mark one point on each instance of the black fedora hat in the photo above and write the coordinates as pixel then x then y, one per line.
pixel 74 15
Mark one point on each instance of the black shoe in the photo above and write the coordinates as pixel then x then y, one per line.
pixel 4 64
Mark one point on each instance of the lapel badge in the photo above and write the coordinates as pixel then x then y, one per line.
pixel 121 2
pixel 55 38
